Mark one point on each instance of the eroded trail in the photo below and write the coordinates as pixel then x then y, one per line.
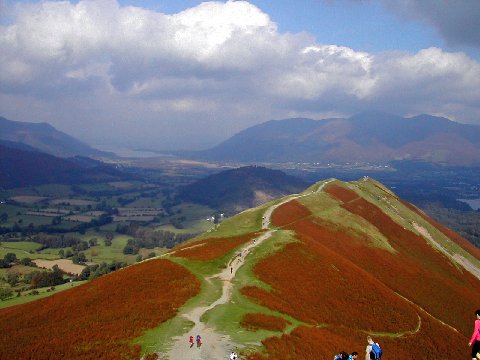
pixel 216 345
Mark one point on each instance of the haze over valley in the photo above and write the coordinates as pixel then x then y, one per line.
pixel 188 180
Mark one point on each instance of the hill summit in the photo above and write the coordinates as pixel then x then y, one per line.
pixel 242 188
pixel 301 277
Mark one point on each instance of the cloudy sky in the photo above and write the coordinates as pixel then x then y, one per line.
pixel 188 74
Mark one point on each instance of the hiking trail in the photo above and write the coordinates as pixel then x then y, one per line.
pixel 217 345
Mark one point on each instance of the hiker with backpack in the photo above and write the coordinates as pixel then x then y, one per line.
pixel 475 340
pixel 373 350
pixel 342 356
pixel 353 356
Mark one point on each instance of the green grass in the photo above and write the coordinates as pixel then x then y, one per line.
pixel 24 254
pixel 158 339
pixel 109 253
pixel 21 245
pixel 226 318
pixel 147 202
pixel 43 293
pixel 245 222
pixel 54 190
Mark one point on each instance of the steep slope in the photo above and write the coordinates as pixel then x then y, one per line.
pixel 301 277
pixel 242 188
pixel 20 168
pixel 366 137
pixel 45 138
pixel 341 261
pixel 97 320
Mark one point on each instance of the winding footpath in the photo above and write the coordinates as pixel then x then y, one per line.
pixel 216 345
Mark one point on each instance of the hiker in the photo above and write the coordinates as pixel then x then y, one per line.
pixel 475 340
pixel 199 341
pixel 353 356
pixel 342 356
pixel 231 270
pixel 373 351
pixel 191 341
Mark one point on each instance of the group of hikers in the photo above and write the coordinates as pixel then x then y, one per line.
pixel 198 339
pixel 373 351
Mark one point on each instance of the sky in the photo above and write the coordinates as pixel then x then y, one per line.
pixel 170 75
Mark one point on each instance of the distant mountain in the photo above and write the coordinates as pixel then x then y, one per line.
pixel 45 138
pixel 20 168
pixel 366 137
pixel 239 189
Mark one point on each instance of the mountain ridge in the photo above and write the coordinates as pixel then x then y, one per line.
pixel 325 268
pixel 24 167
pixel 369 137
pixel 45 138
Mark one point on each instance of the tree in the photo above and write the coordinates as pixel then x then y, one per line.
pixel 12 278
pixel 5 293
pixel 79 258
pixel 108 239
pixel 61 253
pixel 3 217
pixel 10 258
pixel 26 261
pixel 56 220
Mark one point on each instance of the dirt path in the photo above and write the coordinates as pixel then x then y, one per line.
pixel 456 258
pixel 216 345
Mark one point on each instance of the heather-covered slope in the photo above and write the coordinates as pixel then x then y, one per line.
pixel 302 277
pixel 338 262
pixel 100 319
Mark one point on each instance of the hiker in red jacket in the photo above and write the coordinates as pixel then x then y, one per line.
pixel 475 340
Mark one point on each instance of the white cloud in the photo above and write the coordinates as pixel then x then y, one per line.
pixel 217 67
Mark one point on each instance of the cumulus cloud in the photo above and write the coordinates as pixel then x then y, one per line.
pixel 195 77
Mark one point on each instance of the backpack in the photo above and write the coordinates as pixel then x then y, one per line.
pixel 377 351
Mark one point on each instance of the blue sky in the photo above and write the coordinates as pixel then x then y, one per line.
pixel 362 25
pixel 186 74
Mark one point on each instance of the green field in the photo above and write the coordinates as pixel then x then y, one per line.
pixel 42 294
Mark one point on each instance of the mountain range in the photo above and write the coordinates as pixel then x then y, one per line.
pixel 45 138
pixel 369 137
pixel 302 277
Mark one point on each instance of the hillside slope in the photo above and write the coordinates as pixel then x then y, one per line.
pixel 242 188
pixel 45 138
pixel 20 168
pixel 301 277
pixel 367 137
